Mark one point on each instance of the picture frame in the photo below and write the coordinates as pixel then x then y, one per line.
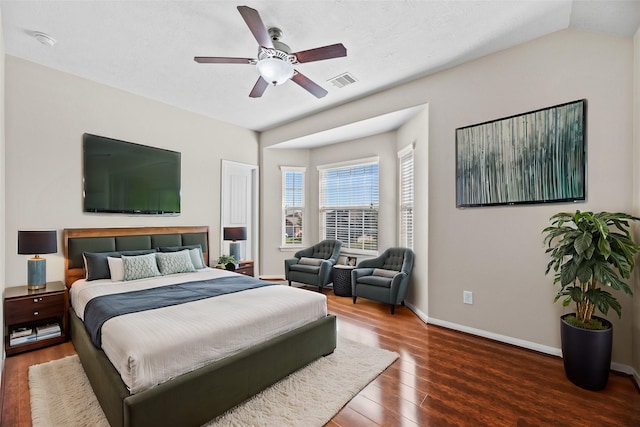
pixel 535 157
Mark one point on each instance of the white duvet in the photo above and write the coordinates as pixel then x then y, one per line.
pixel 151 347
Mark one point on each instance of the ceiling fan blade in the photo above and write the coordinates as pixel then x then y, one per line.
pixel 259 88
pixel 254 22
pixel 320 53
pixel 222 60
pixel 309 85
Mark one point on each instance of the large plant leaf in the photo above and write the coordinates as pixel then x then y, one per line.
pixel 583 242
pixel 603 300
pixel 568 273
pixel 604 248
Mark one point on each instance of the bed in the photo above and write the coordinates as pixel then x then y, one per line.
pixel 193 397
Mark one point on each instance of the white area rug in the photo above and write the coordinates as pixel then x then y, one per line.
pixel 61 394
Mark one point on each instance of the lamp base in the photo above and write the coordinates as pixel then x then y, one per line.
pixel 234 250
pixel 36 273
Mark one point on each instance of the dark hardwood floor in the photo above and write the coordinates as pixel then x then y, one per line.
pixel 442 378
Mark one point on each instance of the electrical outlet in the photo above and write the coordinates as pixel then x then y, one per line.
pixel 467 297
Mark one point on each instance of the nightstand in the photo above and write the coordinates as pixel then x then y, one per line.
pixel 245 267
pixel 35 318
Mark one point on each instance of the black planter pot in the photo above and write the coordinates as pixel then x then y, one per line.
pixel 586 354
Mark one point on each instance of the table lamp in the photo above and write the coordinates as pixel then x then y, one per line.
pixel 234 234
pixel 37 243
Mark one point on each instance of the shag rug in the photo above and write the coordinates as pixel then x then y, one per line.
pixel 61 394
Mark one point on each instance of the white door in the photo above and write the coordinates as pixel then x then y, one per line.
pixel 240 206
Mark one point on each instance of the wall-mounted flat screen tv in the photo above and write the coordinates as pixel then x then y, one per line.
pixel 123 177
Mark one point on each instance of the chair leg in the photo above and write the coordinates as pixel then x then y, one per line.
pixel 354 299
pixel 320 288
pixel 402 303
pixel 289 282
pixel 393 308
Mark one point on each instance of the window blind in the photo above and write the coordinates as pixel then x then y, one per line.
pixel 292 205
pixel 406 198
pixel 349 203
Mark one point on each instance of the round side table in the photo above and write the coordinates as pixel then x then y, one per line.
pixel 342 280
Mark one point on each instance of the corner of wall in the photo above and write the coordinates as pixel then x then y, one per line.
pixel 635 328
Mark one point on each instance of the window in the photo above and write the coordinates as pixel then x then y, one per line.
pixel 292 205
pixel 349 204
pixel 405 201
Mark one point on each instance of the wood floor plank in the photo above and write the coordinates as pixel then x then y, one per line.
pixel 442 378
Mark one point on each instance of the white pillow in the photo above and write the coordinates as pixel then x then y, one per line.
pixel 196 258
pixel 140 267
pixel 116 267
pixel 310 261
pixel 175 262
pixel 384 273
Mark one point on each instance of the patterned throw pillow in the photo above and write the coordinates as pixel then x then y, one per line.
pixel 175 262
pixel 140 267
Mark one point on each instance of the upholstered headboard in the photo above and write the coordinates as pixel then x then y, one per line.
pixel 79 240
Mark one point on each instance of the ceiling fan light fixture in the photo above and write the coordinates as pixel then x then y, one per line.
pixel 275 71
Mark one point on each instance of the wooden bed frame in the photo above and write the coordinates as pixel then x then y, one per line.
pixel 196 397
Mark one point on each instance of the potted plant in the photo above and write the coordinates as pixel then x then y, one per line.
pixel 227 262
pixel 590 253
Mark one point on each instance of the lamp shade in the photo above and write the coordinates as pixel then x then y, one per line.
pixel 37 242
pixel 235 233
pixel 275 70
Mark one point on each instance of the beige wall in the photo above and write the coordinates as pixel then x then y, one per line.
pixel 2 186
pixel 497 252
pixel 416 132
pixel 635 339
pixel 383 145
pixel 47 112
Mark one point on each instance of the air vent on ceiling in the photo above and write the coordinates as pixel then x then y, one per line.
pixel 343 80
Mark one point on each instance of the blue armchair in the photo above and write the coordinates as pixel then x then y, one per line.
pixel 313 265
pixel 385 278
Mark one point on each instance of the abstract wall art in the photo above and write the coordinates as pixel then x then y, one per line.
pixel 535 157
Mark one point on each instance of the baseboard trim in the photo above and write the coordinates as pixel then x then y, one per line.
pixel 554 351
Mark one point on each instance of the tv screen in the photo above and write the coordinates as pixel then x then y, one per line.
pixel 122 177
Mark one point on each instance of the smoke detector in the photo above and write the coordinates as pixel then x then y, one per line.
pixel 44 38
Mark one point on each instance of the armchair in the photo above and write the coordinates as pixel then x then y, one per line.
pixel 385 278
pixel 314 264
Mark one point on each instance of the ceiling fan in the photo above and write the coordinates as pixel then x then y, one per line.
pixel 275 62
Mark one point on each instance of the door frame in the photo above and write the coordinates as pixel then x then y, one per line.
pixel 253 252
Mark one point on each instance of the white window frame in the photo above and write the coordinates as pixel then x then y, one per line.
pixel 300 208
pixel 349 247
pixel 406 194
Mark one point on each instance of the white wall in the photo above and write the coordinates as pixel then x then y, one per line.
pixel 497 252
pixel 47 112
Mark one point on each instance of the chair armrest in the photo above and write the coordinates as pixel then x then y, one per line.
pixel 289 262
pixel 325 268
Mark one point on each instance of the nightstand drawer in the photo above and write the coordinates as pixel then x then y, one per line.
pixel 33 308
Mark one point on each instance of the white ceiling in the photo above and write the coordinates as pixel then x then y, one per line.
pixel 147 47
